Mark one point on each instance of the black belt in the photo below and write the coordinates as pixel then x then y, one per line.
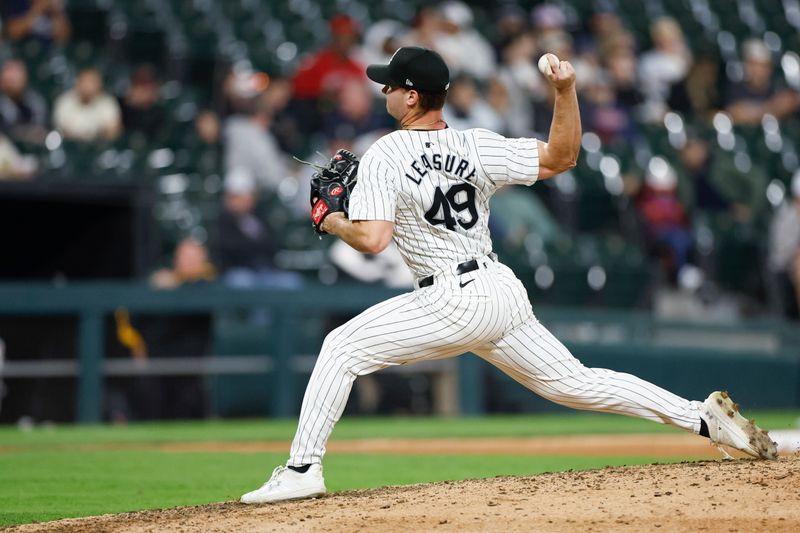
pixel 462 268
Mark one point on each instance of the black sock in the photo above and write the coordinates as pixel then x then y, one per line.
pixel 303 469
pixel 704 429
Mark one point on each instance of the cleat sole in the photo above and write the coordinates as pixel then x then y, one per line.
pixel 730 428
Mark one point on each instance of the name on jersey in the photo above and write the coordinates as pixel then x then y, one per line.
pixel 449 163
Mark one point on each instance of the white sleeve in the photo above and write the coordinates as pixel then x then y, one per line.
pixel 507 161
pixel 61 113
pixel 110 111
pixel 375 194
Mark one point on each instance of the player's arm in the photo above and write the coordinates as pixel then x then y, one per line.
pixel 366 236
pixel 560 152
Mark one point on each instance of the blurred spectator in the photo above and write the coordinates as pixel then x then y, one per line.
pixel 464 49
pixel 322 75
pixel 666 223
pixel 86 112
pixel 328 69
pixel 558 43
pixel 285 125
pixel 609 33
pixel 518 214
pixel 425 28
pixel 190 264
pixel 511 24
pixel 40 20
pixel 758 93
pixel 784 251
pixel 697 95
pixel 381 40
pixel 387 267
pixel 547 19
pixel 251 146
pixel 702 194
pixel 524 84
pixel 23 111
pixel 147 396
pixel 205 143
pixel 355 113
pixel 140 107
pixel 239 88
pixel 543 111
pixel 604 115
pixel 742 183
pixel 621 66
pixel 467 109
pixel 499 101
pixel 666 63
pixel 246 244
pixel 720 182
pixel 206 125
pixel 13 165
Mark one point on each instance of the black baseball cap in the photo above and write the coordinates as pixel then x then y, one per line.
pixel 413 67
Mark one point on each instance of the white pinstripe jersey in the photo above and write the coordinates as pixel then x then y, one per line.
pixel 435 187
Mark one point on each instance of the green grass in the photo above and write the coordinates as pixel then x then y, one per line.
pixel 40 486
pixel 43 476
pixel 352 428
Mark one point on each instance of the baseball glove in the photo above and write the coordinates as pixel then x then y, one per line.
pixel 331 187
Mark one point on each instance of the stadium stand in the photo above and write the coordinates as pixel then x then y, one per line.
pixel 221 57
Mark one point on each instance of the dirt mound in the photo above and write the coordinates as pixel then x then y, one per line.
pixel 701 496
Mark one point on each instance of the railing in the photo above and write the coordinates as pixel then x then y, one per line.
pixel 92 301
pixel 587 329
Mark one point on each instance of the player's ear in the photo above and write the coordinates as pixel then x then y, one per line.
pixel 412 98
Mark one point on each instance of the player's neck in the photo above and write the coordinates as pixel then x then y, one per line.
pixel 431 120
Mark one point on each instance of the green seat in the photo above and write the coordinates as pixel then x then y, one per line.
pixel 738 254
pixel 597 208
pixel 89 22
pixel 568 274
pixel 80 159
pixel 146 44
pixel 84 54
pixel 628 274
pixel 657 137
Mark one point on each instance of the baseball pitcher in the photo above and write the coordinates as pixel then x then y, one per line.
pixel 428 187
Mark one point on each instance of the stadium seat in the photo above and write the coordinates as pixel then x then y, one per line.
pixel 628 274
pixel 89 21
pixel 190 40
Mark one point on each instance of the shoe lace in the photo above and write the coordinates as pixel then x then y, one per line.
pixel 275 479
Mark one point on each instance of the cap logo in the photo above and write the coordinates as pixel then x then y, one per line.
pixel 408 82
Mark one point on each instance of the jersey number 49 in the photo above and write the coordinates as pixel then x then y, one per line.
pixel 447 203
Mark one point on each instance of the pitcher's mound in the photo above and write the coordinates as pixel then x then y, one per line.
pixel 704 496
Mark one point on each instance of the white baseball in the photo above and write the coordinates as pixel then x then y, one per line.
pixel 544 64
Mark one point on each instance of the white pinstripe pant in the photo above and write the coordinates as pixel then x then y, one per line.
pixel 489 316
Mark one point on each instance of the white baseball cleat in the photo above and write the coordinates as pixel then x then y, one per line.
pixel 726 426
pixel 286 484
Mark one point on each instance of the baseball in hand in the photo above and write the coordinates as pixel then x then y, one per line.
pixel 544 64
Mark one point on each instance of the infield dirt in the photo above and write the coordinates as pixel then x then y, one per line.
pixel 743 495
